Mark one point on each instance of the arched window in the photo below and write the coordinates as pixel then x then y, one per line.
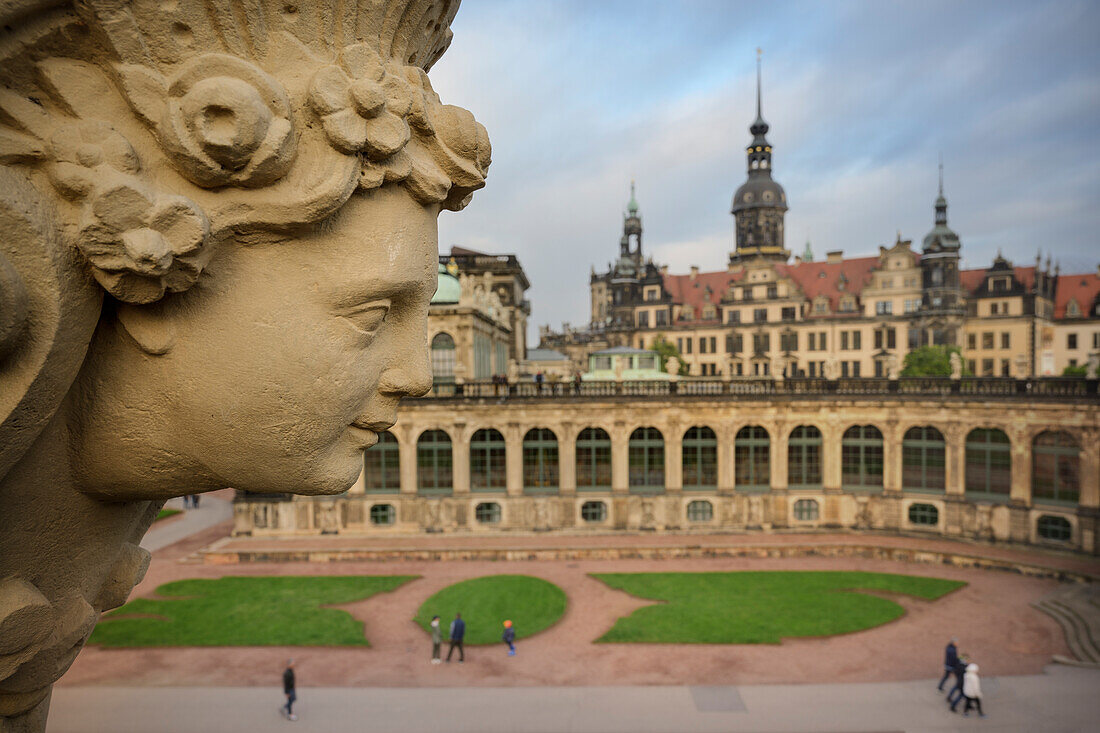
pixel 1051 527
pixel 382 466
pixel 923 458
pixel 700 511
pixel 443 359
pixel 988 464
pixel 594 511
pixel 593 460
pixel 1055 468
pixel 806 510
pixel 646 463
pixel 488 469
pixel 433 463
pixel 540 461
pixel 804 458
pixel 861 458
pixel 700 458
pixel 487 512
pixel 751 459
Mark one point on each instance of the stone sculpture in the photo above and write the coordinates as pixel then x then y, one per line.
pixel 831 369
pixel 672 367
pixel 893 370
pixel 217 249
pixel 1092 365
pixel 956 365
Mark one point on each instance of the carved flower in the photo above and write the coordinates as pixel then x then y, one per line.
pixel 79 149
pixel 227 122
pixel 363 108
pixel 141 244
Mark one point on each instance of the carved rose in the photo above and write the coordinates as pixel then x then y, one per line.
pixel 362 108
pixel 141 244
pixel 227 123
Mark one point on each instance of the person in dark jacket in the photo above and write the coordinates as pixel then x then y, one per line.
pixel 458 631
pixel 288 690
pixel 956 693
pixel 509 638
pixel 950 659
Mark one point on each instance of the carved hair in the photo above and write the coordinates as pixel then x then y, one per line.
pixel 165 105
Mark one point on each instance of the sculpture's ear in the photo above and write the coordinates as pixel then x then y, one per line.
pixel 146 325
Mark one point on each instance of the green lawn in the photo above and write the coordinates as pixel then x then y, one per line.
pixel 532 604
pixel 237 611
pixel 760 607
pixel 165 513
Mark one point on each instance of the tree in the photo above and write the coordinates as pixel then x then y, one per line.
pixel 1076 371
pixel 665 349
pixel 931 361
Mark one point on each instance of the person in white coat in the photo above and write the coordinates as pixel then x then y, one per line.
pixel 972 690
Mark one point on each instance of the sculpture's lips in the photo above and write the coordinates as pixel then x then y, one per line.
pixel 376 426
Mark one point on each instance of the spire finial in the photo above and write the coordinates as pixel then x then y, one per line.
pixel 941 174
pixel 759 53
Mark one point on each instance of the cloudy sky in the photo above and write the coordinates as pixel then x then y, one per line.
pixel 862 98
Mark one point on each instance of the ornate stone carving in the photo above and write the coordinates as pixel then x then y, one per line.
pixel 956 365
pixel 217 244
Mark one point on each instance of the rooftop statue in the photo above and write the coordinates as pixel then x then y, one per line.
pixel 217 250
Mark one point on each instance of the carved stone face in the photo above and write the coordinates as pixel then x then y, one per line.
pixel 281 370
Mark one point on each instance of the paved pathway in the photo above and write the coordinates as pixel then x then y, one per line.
pixel 1060 699
pixel 211 511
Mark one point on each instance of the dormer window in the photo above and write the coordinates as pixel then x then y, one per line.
pixel 1073 310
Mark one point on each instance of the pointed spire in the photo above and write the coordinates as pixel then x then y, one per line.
pixel 759 127
pixel 941 202
pixel 941 175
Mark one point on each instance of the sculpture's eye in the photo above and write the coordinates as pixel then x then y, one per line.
pixel 368 317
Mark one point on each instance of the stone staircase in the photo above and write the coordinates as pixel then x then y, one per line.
pixel 1076 607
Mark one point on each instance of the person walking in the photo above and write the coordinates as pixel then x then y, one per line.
pixel 437 640
pixel 458 631
pixel 972 689
pixel 288 690
pixel 509 638
pixel 956 693
pixel 950 659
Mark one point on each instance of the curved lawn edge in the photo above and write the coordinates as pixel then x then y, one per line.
pixel 770 612
pixel 483 619
pixel 246 611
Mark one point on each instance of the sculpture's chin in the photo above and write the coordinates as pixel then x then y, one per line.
pixel 335 473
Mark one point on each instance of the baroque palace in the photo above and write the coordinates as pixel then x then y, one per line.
pixel 789 412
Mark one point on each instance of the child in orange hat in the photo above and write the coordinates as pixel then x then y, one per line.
pixel 509 638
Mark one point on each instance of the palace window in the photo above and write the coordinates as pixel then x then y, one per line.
pixel 382 466
pixel 700 511
pixel 594 511
pixel 923 460
pixel 1006 340
pixel 924 514
pixel 861 458
pixel 1051 527
pixel 1071 341
pixel 733 316
pixel 593 460
pixel 806 510
pixel 700 458
pixel 788 341
pixel 734 344
pixel 884 308
pixel 760 315
pixel 646 461
pixel 487 512
pixel 443 360
pixel 540 461
pixel 382 514
pixel 433 463
pixel 752 459
pixel 804 458
pixel 488 460
pixel 1055 467
pixel 988 464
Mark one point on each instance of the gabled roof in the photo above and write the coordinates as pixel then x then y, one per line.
pixel 693 292
pixel 971 280
pixel 824 278
pixel 1082 288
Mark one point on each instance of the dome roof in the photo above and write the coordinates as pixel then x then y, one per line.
pixel 449 290
pixel 941 237
pixel 759 191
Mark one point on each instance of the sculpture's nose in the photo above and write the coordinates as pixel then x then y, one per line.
pixel 411 376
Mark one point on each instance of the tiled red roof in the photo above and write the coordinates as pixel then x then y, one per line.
pixel 1082 288
pixel 686 291
pixel 971 280
pixel 824 278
